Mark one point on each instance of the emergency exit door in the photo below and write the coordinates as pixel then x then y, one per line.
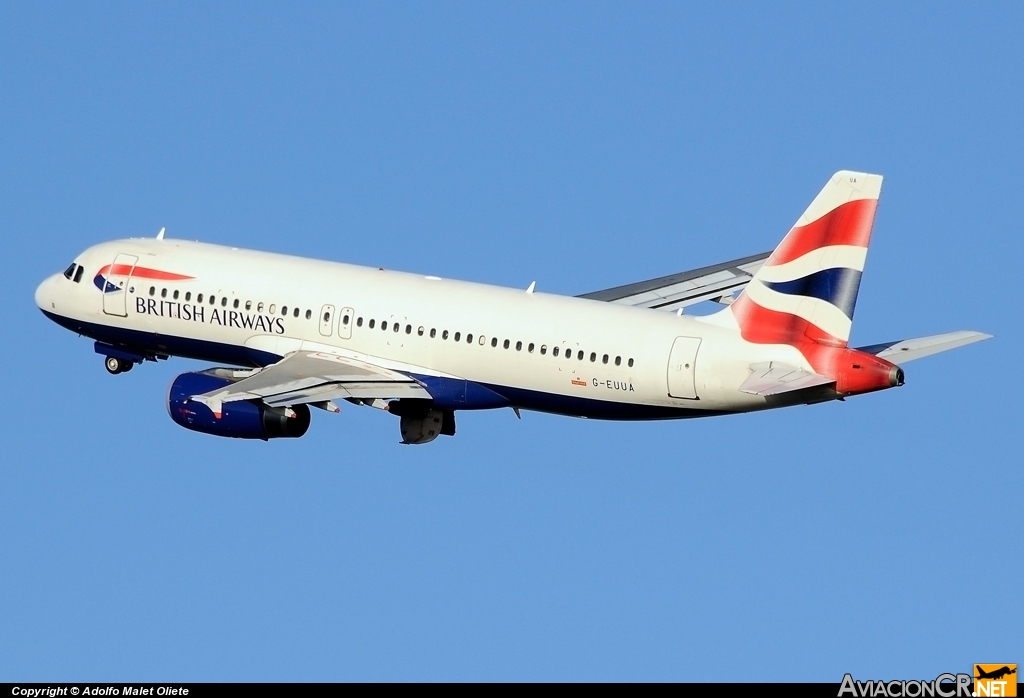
pixel 348 317
pixel 327 320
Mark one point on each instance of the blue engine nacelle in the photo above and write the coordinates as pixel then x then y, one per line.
pixel 239 420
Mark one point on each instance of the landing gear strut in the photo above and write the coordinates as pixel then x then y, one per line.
pixel 115 365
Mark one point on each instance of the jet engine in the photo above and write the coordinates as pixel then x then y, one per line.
pixel 422 423
pixel 240 420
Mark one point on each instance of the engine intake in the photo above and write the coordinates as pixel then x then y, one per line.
pixel 239 420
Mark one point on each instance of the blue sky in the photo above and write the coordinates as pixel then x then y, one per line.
pixel 581 146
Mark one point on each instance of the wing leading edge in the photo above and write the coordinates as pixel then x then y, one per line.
pixel 686 288
pixel 312 377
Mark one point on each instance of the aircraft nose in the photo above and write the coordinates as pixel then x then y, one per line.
pixel 45 296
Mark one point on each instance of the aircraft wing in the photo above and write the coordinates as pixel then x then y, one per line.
pixel 909 349
pixel 773 378
pixel 305 377
pixel 675 291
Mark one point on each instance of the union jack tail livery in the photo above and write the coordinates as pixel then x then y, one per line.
pixel 807 289
pixel 806 292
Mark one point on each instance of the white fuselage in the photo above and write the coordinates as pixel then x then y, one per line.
pixel 247 316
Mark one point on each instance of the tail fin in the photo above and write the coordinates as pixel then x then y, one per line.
pixel 807 290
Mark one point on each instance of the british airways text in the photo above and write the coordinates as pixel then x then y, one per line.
pixel 217 316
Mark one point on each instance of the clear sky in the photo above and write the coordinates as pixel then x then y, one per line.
pixel 579 145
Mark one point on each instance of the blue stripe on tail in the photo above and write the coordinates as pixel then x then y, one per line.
pixel 837 286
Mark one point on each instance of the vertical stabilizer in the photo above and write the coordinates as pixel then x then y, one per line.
pixel 807 290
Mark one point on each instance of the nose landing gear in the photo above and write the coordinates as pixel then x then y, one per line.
pixel 115 365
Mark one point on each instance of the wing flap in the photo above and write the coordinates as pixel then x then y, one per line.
pixel 685 288
pixel 905 350
pixel 385 390
pixel 310 376
pixel 773 378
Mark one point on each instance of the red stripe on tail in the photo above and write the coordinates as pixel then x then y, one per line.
pixel 848 224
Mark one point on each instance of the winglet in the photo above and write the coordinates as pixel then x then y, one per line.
pixel 160 235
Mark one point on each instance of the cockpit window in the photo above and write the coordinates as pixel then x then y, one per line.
pixel 69 272
pixel 78 274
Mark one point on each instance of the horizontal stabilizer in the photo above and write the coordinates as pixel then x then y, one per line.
pixel 902 351
pixel 772 378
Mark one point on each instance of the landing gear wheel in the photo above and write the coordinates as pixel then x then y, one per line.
pixel 115 365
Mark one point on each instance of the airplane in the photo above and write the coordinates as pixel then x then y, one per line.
pixel 296 333
pixel 995 674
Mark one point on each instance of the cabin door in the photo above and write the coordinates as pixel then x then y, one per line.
pixel 681 365
pixel 113 282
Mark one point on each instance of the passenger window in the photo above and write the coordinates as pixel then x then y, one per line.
pixel 593 356
pixel 433 333
pixel 469 339
pixel 482 341
pixel 248 305
pixel 457 336
pixel 505 344
pixel 408 329
pixel 554 351
pixel 543 349
pixel 494 341
pixel 199 298
pixel 580 355
pixel 284 309
pixel 444 335
pixel 224 302
pixel 188 295
pixel 397 327
pixel 327 316
pixel 152 291
pixel 163 293
pixel 530 348
pixel 175 296
pixel 295 313
pixel 213 300
pixel 618 360
pixel 568 353
pixel 78 274
pixel 631 363
pixel 604 359
pixel 259 306
pixel 344 319
pixel 384 326
pixel 233 305
pixel 70 271
pixel 309 314
pixel 519 346
pixel 372 321
pixel 419 331
pixel 359 322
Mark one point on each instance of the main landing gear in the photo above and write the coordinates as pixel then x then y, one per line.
pixel 115 365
